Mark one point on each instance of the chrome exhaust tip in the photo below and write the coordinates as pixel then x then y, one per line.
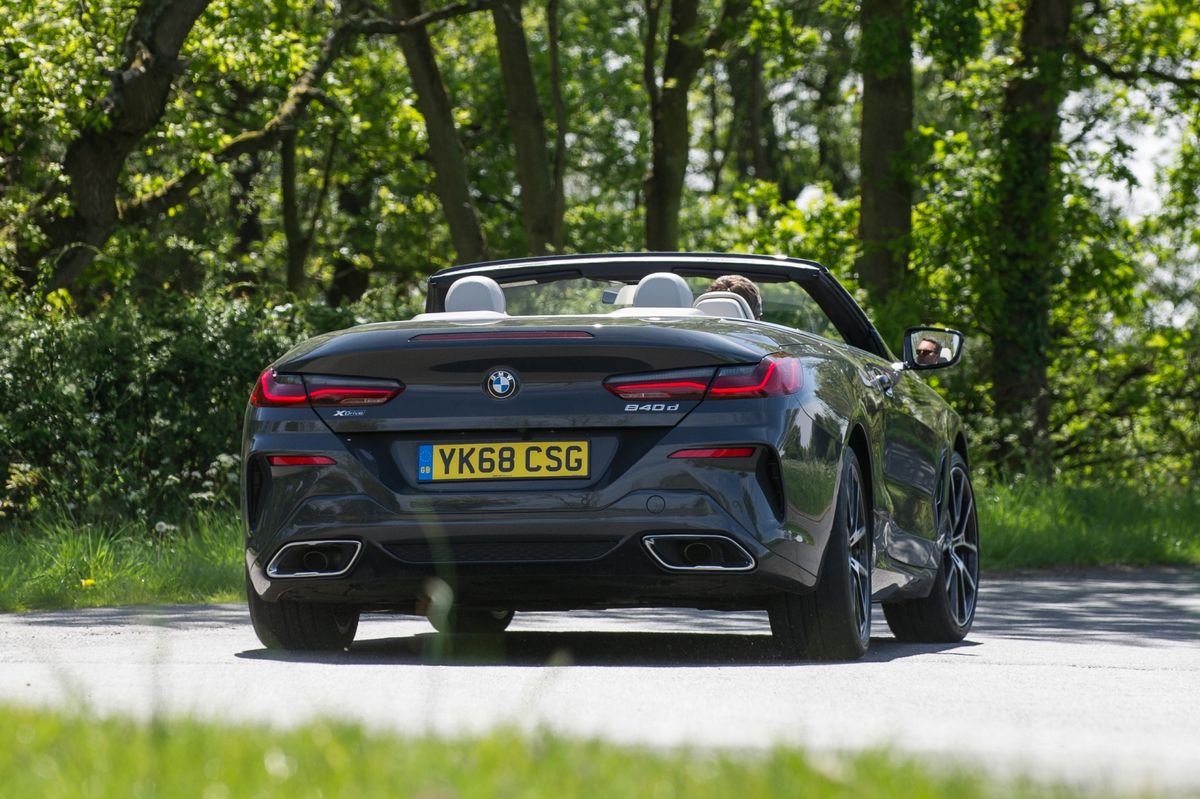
pixel 314 559
pixel 688 552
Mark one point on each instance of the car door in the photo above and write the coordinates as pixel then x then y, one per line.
pixel 913 448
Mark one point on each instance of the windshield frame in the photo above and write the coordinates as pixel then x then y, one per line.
pixel 837 303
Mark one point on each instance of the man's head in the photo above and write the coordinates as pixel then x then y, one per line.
pixel 744 287
pixel 928 351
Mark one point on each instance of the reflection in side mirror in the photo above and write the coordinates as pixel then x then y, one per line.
pixel 931 347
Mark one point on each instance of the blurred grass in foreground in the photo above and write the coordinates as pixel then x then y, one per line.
pixel 51 562
pixel 50 754
pixel 1039 526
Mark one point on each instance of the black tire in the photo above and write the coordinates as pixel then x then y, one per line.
pixel 946 615
pixel 833 622
pixel 303 626
pixel 471 621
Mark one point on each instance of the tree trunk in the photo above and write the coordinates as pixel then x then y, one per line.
pixel 245 219
pixel 663 189
pixel 291 212
pixel 95 159
pixel 527 126
pixel 1024 271
pixel 354 193
pixel 885 221
pixel 751 114
pixel 243 208
pixel 827 108
pixel 670 129
pixel 560 126
pixel 451 180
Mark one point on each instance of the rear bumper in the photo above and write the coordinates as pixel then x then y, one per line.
pixel 543 560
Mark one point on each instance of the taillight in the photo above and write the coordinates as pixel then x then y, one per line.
pixel 675 385
pixel 773 376
pixel 275 390
pixel 324 390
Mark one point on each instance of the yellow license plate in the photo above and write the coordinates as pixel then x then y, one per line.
pixel 504 460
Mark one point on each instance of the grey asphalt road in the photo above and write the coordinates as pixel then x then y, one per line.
pixel 1086 678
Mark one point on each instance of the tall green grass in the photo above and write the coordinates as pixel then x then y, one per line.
pixel 1033 525
pixel 52 562
pixel 49 754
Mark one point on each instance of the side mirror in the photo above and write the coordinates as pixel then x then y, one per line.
pixel 932 347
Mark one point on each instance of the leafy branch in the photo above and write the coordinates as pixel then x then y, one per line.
pixel 148 206
pixel 1189 85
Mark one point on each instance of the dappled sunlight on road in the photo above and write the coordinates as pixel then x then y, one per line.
pixel 1155 607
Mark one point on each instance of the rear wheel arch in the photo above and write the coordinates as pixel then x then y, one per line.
pixel 946 614
pixel 859 443
pixel 833 621
pixel 302 626
pixel 960 446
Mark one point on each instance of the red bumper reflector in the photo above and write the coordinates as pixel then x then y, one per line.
pixel 300 460
pixel 715 452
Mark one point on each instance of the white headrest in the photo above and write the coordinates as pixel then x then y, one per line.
pixel 475 293
pixel 662 290
pixel 724 303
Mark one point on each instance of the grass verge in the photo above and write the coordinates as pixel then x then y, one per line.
pixel 1037 526
pixel 50 754
pixel 52 562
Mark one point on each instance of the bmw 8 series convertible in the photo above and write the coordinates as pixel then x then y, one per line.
pixel 608 431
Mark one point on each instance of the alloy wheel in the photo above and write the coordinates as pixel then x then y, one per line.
pixel 960 546
pixel 859 553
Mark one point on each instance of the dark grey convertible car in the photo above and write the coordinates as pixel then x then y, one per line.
pixel 601 431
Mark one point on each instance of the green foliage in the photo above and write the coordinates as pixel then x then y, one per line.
pixel 51 754
pixel 756 219
pixel 137 408
pixel 57 560
pixel 1034 525
pixel 54 561
pixel 112 372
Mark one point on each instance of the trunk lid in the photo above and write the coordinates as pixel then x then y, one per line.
pixel 558 366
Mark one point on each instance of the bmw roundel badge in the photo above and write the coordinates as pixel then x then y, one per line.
pixel 501 384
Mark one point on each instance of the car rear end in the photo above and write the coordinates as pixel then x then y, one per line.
pixel 527 463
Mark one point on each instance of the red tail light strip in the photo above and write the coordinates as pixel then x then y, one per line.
pixel 773 376
pixel 504 335
pixel 274 390
pixel 351 396
pixel 666 389
pixel 682 384
pixel 278 391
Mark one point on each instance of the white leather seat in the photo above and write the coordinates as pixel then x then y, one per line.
pixel 662 290
pixel 725 304
pixel 471 299
pixel 660 294
pixel 475 293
